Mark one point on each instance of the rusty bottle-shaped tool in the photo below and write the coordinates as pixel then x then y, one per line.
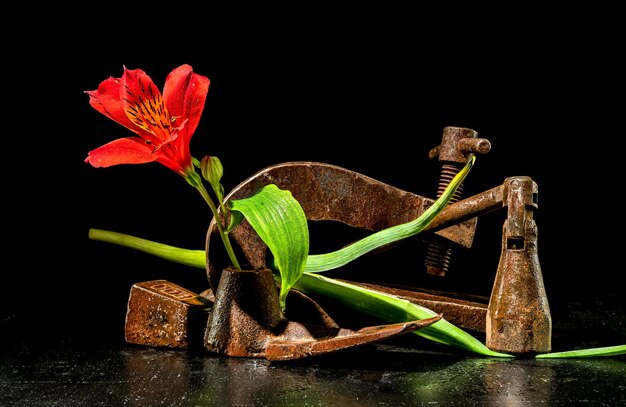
pixel 518 316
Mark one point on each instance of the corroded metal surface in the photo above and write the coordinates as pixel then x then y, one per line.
pixel 299 341
pixel 515 298
pixel 163 314
pixel 246 321
pixel 457 143
pixel 518 318
pixel 327 192
pixel 246 314
pixel 468 208
pixel 463 313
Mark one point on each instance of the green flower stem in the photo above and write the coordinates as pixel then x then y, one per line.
pixel 220 227
pixel 193 258
pixel 328 261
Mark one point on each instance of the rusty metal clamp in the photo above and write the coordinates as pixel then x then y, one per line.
pixel 516 319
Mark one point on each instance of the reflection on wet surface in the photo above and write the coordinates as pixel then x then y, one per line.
pixel 38 370
pixel 385 375
pixel 394 376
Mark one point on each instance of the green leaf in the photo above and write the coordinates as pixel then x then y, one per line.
pixel 370 302
pixel 392 309
pixel 235 219
pixel 586 353
pixel 328 261
pixel 279 220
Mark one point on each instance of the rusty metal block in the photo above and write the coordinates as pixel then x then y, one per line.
pixel 163 314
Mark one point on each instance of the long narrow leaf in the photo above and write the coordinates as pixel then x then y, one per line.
pixel 391 309
pixel 586 353
pixel 364 300
pixel 279 220
pixel 328 261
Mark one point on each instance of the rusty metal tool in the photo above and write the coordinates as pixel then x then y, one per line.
pixel 328 192
pixel 453 152
pixel 244 320
pixel 518 318
pixel 164 314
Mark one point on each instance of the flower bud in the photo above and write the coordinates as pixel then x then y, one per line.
pixel 212 171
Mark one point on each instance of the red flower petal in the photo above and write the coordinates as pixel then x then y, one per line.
pixel 132 150
pixel 164 123
pixel 185 95
pixel 107 99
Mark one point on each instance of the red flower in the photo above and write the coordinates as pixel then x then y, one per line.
pixel 164 123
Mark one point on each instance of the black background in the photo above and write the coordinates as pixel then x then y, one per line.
pixel 371 94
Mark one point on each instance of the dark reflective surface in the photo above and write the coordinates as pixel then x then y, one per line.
pixel 388 375
pixel 49 363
